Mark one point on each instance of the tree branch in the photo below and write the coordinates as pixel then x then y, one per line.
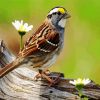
pixel 20 84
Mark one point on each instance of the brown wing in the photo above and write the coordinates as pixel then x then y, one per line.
pixel 45 40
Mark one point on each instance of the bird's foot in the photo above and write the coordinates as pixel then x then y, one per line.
pixel 39 75
pixel 45 74
pixel 55 81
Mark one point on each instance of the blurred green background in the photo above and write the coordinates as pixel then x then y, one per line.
pixel 81 53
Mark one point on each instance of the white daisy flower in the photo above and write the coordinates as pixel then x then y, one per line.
pixel 79 84
pixel 80 81
pixel 22 27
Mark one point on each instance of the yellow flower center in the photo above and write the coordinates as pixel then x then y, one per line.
pixel 22 28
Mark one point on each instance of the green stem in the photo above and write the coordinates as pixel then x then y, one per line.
pixel 80 93
pixel 21 42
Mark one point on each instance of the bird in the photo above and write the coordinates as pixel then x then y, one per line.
pixel 44 46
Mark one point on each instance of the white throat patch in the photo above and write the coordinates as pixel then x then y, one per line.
pixel 62 23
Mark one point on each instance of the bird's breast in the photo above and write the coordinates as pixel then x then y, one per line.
pixel 45 60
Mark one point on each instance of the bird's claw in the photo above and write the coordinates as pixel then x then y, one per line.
pixel 51 81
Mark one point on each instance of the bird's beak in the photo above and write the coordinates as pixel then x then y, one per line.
pixel 68 16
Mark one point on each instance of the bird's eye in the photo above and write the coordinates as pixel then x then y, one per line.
pixel 59 13
pixel 55 13
pixel 49 16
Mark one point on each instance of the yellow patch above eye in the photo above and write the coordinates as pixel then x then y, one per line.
pixel 61 10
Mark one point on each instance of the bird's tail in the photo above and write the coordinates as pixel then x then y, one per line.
pixel 6 58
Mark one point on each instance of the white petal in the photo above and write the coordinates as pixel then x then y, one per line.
pixel 25 25
pixel 15 25
pixel 21 22
pixel 72 82
pixel 86 81
pixel 29 28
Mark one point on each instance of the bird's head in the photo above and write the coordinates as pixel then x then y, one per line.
pixel 58 16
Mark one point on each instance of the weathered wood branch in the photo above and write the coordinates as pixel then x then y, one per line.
pixel 20 84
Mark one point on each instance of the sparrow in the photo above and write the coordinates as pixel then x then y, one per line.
pixel 42 49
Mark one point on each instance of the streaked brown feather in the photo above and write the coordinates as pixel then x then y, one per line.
pixel 39 41
pixel 33 37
